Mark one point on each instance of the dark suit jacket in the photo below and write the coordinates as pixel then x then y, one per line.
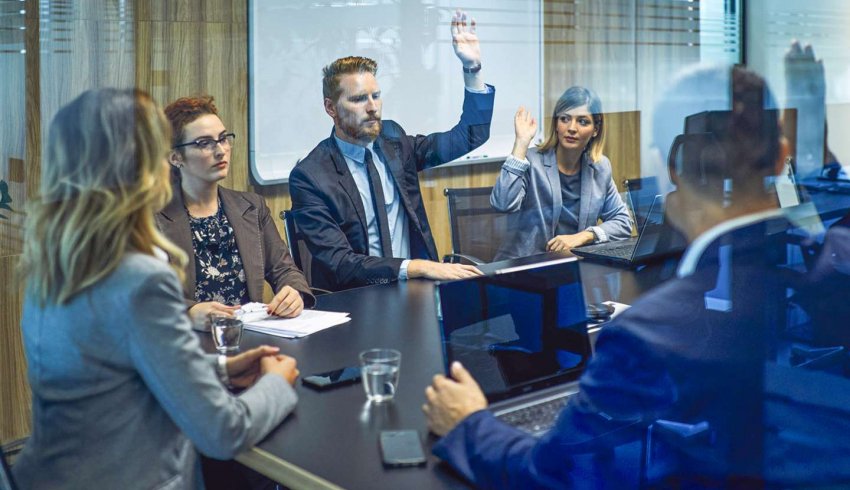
pixel 263 253
pixel 329 212
pixel 679 354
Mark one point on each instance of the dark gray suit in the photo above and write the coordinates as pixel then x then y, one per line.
pixel 263 253
pixel 329 212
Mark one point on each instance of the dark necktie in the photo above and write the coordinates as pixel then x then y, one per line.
pixel 379 204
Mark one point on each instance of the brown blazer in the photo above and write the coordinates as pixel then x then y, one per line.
pixel 263 253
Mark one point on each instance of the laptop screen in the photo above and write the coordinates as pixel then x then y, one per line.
pixel 516 331
pixel 658 238
pixel 641 194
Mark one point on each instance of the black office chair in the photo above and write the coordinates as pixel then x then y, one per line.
pixel 478 229
pixel 297 245
pixel 6 480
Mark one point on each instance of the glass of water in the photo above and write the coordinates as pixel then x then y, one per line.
pixel 379 369
pixel 226 333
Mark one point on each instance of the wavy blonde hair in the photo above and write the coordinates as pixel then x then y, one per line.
pixel 104 176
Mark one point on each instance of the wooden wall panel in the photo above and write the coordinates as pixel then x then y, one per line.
pixel 17 53
pixel 15 412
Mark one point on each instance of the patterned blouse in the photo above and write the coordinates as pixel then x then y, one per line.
pixel 219 274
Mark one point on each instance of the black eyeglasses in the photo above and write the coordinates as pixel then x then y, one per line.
pixel 208 144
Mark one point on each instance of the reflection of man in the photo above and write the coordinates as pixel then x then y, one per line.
pixel 356 196
pixel 692 351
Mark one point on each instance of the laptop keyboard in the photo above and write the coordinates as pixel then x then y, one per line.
pixel 609 249
pixel 536 419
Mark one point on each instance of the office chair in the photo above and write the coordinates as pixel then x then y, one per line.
pixel 297 245
pixel 6 480
pixel 477 229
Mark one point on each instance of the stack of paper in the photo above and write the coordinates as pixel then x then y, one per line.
pixel 309 321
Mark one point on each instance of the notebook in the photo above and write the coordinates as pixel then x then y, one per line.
pixel 656 239
pixel 522 334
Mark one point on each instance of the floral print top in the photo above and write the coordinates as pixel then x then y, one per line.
pixel 219 274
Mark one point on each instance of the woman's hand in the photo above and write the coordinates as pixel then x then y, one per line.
pixel 283 366
pixel 564 243
pixel 200 312
pixel 525 128
pixel 244 369
pixel 286 303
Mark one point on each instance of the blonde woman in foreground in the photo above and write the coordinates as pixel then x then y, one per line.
pixel 122 392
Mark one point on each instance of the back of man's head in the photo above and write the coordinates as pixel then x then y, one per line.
pixel 344 66
pixel 731 137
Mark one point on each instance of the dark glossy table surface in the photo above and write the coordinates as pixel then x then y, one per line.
pixel 334 434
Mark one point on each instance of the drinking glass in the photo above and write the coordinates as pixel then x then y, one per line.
pixel 380 370
pixel 226 333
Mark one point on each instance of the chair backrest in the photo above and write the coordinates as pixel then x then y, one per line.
pixel 478 229
pixel 297 245
pixel 6 480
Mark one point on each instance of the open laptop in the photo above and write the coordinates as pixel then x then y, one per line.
pixel 640 194
pixel 656 239
pixel 522 334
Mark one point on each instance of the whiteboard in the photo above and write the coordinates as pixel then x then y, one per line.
pixel 420 77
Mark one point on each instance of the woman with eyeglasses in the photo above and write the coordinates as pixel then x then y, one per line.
pixel 228 235
pixel 558 192
pixel 122 394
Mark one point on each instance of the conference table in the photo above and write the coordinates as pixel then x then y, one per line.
pixel 331 439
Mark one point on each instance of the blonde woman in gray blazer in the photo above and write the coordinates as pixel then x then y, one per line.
pixel 558 192
pixel 122 394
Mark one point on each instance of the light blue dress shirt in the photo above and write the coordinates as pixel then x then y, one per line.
pixel 399 232
pixel 396 217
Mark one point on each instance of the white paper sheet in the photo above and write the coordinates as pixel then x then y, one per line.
pixel 308 322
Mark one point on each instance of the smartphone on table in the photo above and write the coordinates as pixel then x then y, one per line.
pixel 401 448
pixel 332 379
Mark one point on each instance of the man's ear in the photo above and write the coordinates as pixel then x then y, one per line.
pixel 784 153
pixel 330 108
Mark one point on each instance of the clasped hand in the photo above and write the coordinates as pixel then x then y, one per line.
pixel 245 368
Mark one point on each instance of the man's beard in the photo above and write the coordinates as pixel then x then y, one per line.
pixel 359 132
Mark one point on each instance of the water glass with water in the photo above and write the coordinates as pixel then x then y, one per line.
pixel 379 369
pixel 226 333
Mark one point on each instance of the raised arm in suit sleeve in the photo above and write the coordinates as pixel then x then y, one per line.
pixel 472 131
pixel 509 191
pixel 169 359
pixel 328 243
pixel 279 268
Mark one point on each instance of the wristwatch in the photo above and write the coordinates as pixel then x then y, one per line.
pixel 473 69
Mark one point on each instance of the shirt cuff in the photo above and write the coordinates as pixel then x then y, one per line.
pixel 486 90
pixel 221 370
pixel 599 233
pixel 515 165
pixel 402 270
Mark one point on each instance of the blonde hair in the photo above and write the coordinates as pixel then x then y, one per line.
pixel 104 175
pixel 577 97
pixel 332 73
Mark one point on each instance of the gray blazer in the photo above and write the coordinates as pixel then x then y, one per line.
pixel 263 253
pixel 531 191
pixel 121 389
